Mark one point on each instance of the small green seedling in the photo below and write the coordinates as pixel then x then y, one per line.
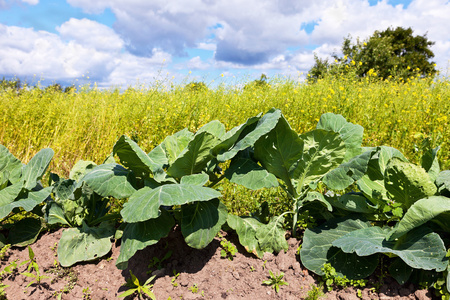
pixel 264 265
pixel 275 281
pixel 4 251
pixel 194 289
pixel 314 293
pixel 9 269
pixel 2 290
pixel 175 274
pixel 32 264
pixel 158 263
pixel 228 249
pixel 135 286
pixel 86 294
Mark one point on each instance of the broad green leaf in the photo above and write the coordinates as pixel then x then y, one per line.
pixel 271 236
pixel 349 172
pixel 134 158
pixel 195 157
pixel 400 271
pixel 420 248
pixel 27 201
pixel 36 168
pixel 158 155
pixel 317 250
pixel 249 174
pixel 374 190
pixel 84 244
pixel 31 199
pixel 110 180
pixel 64 189
pixel 201 222
pixel 195 179
pixel 430 163
pixel 55 214
pixel 215 128
pixel 246 228
pixel 232 136
pixel 322 152
pixel 354 202
pixel 266 124
pixel 372 183
pixel 175 144
pixel 279 150
pixel 351 134
pixel 81 168
pixel 447 281
pixel 443 183
pixel 137 236
pixel 407 183
pixel 3 241
pixel 385 154
pixel 311 197
pixel 7 197
pixel 10 166
pixel 144 204
pixel 25 232
pixel 419 213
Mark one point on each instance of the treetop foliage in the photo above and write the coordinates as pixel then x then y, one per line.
pixel 389 53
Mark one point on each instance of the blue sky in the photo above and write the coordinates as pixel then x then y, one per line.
pixel 122 43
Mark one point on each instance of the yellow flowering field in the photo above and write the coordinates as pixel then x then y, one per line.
pixel 409 115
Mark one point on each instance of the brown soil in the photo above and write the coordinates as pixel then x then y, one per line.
pixel 214 277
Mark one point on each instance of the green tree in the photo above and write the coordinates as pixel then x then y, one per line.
pixel 389 53
pixel 261 83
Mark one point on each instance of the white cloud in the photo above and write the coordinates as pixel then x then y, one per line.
pixel 31 2
pixel 256 34
pixel 207 46
pixel 26 52
pixel 91 34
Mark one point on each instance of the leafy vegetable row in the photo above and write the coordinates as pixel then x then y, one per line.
pixel 365 201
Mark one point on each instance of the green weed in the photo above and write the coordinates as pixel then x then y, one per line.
pixel 135 287
pixel 332 279
pixel 228 249
pixel 275 281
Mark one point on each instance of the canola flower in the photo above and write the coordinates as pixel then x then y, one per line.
pixel 402 113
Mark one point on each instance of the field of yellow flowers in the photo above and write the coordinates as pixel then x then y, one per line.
pixel 410 115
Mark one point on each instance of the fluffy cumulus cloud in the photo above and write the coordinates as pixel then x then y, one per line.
pixel 83 48
pixel 263 35
pixel 91 34
pixel 255 33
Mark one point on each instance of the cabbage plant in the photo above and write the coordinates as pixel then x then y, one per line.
pixel 174 185
pixel 21 188
pixel 331 154
pixel 82 202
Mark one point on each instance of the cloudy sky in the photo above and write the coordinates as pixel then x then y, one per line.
pixel 122 43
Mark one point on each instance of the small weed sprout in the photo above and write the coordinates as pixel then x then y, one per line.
pixel 175 274
pixel 264 265
pixel 4 251
pixel 32 265
pixel 158 263
pixel 275 281
pixel 228 249
pixel 136 287
pixel 194 288
pixel 86 294
pixel 332 279
pixel 314 293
